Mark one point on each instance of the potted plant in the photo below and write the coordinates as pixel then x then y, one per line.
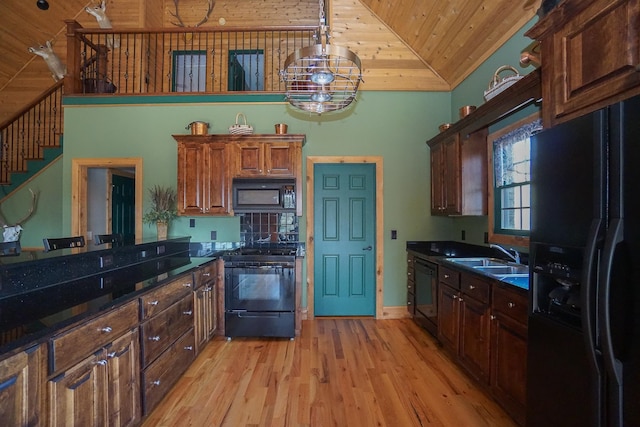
pixel 163 209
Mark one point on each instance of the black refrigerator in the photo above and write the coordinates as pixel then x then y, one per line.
pixel 583 361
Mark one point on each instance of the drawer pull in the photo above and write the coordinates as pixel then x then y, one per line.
pixel 100 362
pixel 455 297
pixel 460 299
pixel 207 289
pixel 153 302
pixel 188 347
pixel 188 313
pixel 106 329
pixel 186 285
pixel 156 382
pixel 511 304
pixel 206 274
pixel 493 317
pixel 156 338
pixel 408 302
pixel 111 355
pixel 446 276
pixel 471 287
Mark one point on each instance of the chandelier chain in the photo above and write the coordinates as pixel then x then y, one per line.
pixel 322 16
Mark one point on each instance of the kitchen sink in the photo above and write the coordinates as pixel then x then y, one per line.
pixel 496 270
pixel 478 261
pixel 503 270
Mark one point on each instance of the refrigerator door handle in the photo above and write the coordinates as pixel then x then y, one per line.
pixel 613 366
pixel 588 293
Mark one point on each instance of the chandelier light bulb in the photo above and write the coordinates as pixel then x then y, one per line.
pixel 322 77
pixel 321 97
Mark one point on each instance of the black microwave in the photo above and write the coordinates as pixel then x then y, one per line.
pixel 264 195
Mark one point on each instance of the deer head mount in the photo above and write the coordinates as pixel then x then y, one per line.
pixel 100 13
pixel 57 68
pixel 180 23
pixel 11 233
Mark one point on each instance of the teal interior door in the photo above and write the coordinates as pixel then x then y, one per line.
pixel 123 211
pixel 344 239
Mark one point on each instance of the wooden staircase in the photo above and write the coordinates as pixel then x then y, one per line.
pixel 31 138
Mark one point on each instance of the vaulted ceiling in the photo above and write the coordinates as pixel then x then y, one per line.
pixel 422 45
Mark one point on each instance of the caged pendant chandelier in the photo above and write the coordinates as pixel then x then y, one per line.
pixel 321 78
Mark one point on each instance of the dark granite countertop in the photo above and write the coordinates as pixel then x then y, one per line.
pixel 30 316
pixel 438 251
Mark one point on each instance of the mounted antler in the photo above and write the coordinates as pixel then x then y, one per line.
pixel 180 23
pixel 11 233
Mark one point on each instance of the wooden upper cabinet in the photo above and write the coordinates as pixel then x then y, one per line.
pixel 459 175
pixel 207 165
pixel 203 178
pixel 590 56
pixel 265 159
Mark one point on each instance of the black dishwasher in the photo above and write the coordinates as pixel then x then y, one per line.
pixel 426 292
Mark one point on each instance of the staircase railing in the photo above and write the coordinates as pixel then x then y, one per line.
pixel 24 136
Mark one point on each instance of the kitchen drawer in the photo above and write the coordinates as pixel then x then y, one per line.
pixel 205 274
pixel 75 344
pixel 161 331
pixel 158 378
pixel 156 301
pixel 475 287
pixel 448 276
pixel 510 303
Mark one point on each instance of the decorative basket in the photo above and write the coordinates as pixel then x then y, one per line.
pixel 498 85
pixel 241 129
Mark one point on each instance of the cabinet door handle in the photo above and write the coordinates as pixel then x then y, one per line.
pixel 188 313
pixel 409 286
pixel 206 274
pixel 511 304
pixel 471 287
pixel 100 362
pixel 455 297
pixel 188 347
pixel 153 303
pixel 493 317
pixel 408 302
pixel 207 289
pixel 111 355
pixel 156 338
pixel 446 276
pixel 106 329
pixel 460 299
pixel 156 382
pixel 187 285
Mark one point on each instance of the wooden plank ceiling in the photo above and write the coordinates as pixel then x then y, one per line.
pixel 420 45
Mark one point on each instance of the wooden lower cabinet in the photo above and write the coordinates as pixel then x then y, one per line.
pixel 509 350
pixel 483 325
pixel 162 374
pixel 123 370
pixel 22 380
pixel 99 390
pixel 474 350
pixel 205 305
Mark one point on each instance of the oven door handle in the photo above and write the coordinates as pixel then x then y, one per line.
pixel 248 314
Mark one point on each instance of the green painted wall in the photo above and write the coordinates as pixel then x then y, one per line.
pixel 394 125
pixel 471 92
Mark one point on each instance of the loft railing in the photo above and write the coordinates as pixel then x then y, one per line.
pixel 180 60
pixel 24 136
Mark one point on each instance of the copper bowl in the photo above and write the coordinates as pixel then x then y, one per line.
pixel 466 110
pixel 444 126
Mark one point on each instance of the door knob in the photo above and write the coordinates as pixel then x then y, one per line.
pixel 368 248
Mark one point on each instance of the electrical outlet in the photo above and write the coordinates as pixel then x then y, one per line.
pixel 486 237
pixel 463 235
pixel 394 234
pixel 106 261
pixel 214 235
pixel 160 250
pixel 192 222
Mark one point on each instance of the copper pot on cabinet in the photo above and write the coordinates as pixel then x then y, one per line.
pixel 198 128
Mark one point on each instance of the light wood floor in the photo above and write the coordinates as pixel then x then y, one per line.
pixel 339 372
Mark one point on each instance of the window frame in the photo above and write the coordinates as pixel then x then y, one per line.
pixel 186 59
pixel 493 236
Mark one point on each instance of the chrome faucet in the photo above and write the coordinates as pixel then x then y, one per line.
pixel 515 256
